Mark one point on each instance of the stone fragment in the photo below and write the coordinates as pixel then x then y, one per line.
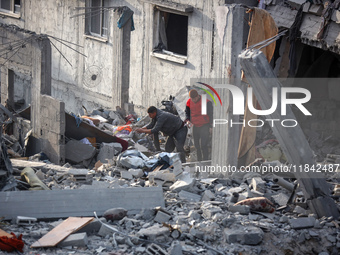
pixel 176 248
pixel 154 249
pixel 108 151
pixel 258 184
pixel 77 152
pixel 115 214
pixel 242 209
pixel 154 232
pixel 300 223
pixel 104 231
pixel 194 215
pixel 316 9
pixel 210 211
pixel 189 196
pixel 185 182
pixel 126 175
pixel 137 173
pixel 162 217
pixel 296 3
pixel 208 196
pixel 281 199
pixel 79 239
pixel 244 235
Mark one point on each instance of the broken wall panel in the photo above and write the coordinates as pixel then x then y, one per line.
pixel 292 140
pixel 65 203
pixel 52 132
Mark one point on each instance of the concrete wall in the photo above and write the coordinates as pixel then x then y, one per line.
pixel 52 129
pixel 150 79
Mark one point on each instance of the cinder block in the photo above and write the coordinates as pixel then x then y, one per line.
pixel 79 239
pixel 248 235
pixel 189 196
pixel 108 151
pixel 104 231
pixel 300 223
pixel 296 3
pixel 154 249
pixel 23 220
pixel 242 209
pixel 92 228
pixel 208 196
pixel 162 217
pixel 316 9
pixel 126 175
pixel 258 184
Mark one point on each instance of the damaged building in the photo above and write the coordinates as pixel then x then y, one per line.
pixel 77 78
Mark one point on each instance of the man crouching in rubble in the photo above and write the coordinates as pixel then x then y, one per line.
pixel 170 125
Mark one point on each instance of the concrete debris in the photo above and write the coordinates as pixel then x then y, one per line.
pixel 247 235
pixel 302 223
pixel 78 152
pixel 248 213
pixel 115 214
pixel 189 196
pixel 185 182
pixel 108 151
pixel 78 240
pixel 260 204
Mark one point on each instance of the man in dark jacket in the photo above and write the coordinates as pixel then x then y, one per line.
pixel 202 123
pixel 170 125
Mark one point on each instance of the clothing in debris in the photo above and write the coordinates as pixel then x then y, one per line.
pixel 201 124
pixel 172 126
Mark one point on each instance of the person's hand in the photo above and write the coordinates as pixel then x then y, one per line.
pixel 139 130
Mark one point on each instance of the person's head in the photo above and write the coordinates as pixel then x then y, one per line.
pixel 193 94
pixel 152 111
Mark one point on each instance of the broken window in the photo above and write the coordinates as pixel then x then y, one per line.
pixel 10 6
pixel 171 32
pixel 97 18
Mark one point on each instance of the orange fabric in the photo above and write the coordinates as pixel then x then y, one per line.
pixel 262 27
pixel 92 140
pixel 125 127
pixel 11 244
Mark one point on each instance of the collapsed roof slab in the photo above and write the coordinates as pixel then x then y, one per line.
pixel 292 140
pixel 49 204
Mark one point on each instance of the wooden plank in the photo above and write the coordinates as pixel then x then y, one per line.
pixel 292 140
pixel 4 233
pixel 60 232
pixel 81 202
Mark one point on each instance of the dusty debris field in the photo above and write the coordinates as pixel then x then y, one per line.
pixel 150 203
pixel 199 216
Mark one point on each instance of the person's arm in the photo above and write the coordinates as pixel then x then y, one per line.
pixel 188 114
pixel 147 129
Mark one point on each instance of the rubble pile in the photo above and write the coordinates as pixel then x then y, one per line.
pixel 241 213
pixel 244 214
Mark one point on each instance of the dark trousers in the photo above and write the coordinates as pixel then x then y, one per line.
pixel 177 140
pixel 156 141
pixel 201 141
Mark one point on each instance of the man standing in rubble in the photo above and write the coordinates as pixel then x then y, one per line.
pixel 170 125
pixel 202 124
